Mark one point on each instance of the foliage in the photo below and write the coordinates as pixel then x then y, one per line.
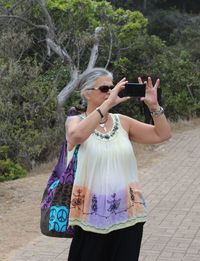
pixel 28 117
pixel 165 46
pixel 30 124
pixel 186 36
pixel 175 28
pixel 190 6
pixel 10 170
pixel 179 76
pixel 181 94
pixel 142 58
pixel 83 17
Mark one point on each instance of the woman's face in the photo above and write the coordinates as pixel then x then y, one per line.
pixel 95 96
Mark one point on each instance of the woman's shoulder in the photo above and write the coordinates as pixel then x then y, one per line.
pixel 124 121
pixel 123 117
pixel 74 118
pixel 127 121
pixel 126 118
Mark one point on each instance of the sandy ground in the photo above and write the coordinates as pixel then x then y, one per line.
pixel 20 199
pixel 19 210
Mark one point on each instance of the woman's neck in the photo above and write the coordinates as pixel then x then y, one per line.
pixel 90 108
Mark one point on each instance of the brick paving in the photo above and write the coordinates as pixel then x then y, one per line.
pixel 172 189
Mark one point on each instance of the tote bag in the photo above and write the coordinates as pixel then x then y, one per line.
pixel 55 204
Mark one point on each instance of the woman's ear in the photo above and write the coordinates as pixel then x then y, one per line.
pixel 87 94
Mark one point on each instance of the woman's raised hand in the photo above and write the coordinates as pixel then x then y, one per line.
pixel 113 98
pixel 150 98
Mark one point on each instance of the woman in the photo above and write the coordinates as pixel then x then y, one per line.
pixel 107 207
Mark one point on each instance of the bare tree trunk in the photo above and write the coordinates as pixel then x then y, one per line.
pixel 110 49
pixel 95 49
pixel 67 90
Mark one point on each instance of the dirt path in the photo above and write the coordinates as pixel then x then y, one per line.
pixel 19 211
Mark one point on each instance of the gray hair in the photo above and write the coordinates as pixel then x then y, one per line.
pixel 88 78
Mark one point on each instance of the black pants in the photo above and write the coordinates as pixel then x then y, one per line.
pixel 119 245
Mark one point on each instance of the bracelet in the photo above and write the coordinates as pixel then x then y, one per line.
pixel 157 113
pixel 99 111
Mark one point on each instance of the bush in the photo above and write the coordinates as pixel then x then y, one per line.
pixel 10 170
pixel 29 120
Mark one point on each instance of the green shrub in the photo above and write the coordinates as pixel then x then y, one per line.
pixel 10 170
pixel 30 131
pixel 4 152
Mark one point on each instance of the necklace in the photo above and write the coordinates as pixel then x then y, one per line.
pixel 102 123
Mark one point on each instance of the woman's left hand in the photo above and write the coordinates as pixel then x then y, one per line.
pixel 150 98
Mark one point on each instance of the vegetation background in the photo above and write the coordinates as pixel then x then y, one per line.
pixel 154 38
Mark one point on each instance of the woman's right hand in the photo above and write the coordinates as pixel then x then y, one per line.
pixel 113 98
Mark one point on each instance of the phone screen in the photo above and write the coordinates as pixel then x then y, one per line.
pixel 133 90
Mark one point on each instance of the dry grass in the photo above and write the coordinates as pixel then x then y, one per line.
pixel 183 125
pixel 44 168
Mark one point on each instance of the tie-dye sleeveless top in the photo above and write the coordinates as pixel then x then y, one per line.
pixel 106 194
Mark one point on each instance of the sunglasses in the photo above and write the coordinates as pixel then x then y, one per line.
pixel 103 88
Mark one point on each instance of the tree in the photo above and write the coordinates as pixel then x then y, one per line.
pixel 97 15
pixel 44 47
pixel 129 4
pixel 189 6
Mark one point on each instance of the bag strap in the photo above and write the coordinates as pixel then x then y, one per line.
pixel 61 163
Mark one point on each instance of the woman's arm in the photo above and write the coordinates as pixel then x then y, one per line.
pixel 145 133
pixel 77 130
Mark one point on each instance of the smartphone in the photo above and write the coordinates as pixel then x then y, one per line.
pixel 133 90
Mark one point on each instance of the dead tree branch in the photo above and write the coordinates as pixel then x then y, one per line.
pixel 48 18
pixel 95 49
pixel 63 54
pixel 43 27
pixel 110 49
